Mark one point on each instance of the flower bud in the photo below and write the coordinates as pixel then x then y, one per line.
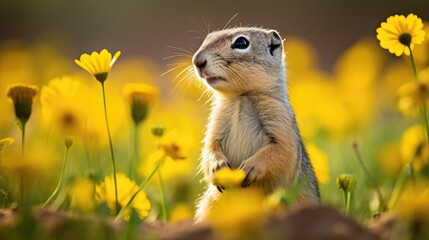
pixel 68 142
pixel 141 97
pixel 158 130
pixel 22 97
pixel 346 182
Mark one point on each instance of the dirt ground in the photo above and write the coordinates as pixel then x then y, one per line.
pixel 321 222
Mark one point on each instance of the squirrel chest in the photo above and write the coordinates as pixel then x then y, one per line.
pixel 242 132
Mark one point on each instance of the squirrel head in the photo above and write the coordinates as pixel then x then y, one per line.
pixel 239 60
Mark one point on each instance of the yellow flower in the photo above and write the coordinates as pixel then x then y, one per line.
pixel 238 214
pixel 105 192
pixel 319 160
pixel 399 33
pixel 389 158
pixel 324 110
pixel 59 105
pixel 98 64
pixel 413 205
pixel 413 146
pixel 359 66
pixel 175 145
pixel 301 57
pixel 229 178
pixel 22 97
pixel 141 93
pixel 82 195
pixel 180 212
pixel 356 75
pixel 142 97
pixel 408 106
pixel 417 91
pixel 277 202
pixel 37 163
pixel 414 94
pixel 394 76
pixel 171 170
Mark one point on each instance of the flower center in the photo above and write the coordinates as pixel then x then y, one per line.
pixel 405 39
pixel 68 120
pixel 423 91
pixel 101 77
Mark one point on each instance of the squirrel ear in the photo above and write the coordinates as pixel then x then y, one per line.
pixel 276 41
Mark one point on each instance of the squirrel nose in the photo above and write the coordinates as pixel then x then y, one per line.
pixel 200 60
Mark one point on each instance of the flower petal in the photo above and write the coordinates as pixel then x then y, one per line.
pixel 117 54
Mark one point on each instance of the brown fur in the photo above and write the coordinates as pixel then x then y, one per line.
pixel 252 125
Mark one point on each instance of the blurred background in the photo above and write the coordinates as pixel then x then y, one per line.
pixel 146 27
pixel 343 86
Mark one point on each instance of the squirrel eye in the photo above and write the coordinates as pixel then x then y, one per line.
pixel 240 43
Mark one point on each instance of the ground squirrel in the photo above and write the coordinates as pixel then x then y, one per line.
pixel 252 125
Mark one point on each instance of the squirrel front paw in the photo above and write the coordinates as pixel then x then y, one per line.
pixel 214 167
pixel 254 171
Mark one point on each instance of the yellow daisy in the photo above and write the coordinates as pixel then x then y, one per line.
pixel 413 146
pixel 414 94
pixel 238 214
pixel 175 145
pixel 413 204
pixel 399 33
pixel 98 64
pixel 59 105
pixel 105 192
pixel 82 194
pixel 180 212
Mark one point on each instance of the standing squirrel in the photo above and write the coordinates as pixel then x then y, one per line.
pixel 252 125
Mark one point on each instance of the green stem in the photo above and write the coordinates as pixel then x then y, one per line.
pixel 21 184
pixel 413 63
pixel 135 156
pixel 425 116
pixel 57 188
pixel 397 189
pixel 424 107
pixel 111 150
pixel 23 123
pixel 141 187
pixel 347 200
pixel 163 198
pixel 370 178
pixel 409 171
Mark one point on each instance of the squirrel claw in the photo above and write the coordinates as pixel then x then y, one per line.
pixel 219 165
pixel 220 188
pixel 247 180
